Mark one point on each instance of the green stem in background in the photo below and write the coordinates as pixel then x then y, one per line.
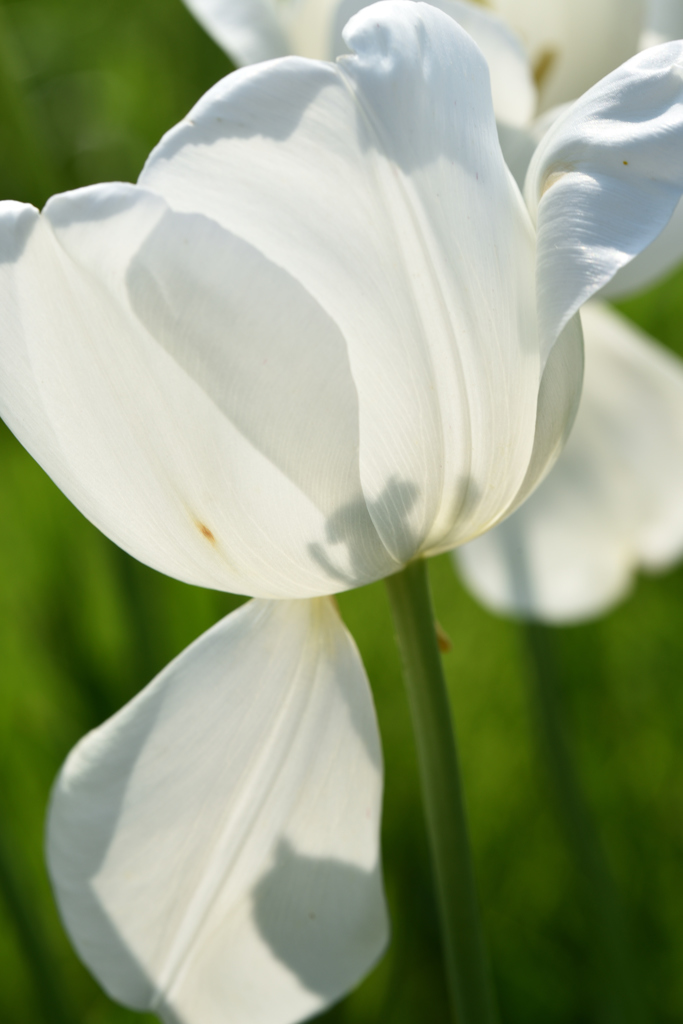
pixel 467 965
pixel 616 975
pixel 47 992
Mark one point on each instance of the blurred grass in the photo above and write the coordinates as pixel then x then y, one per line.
pixel 85 91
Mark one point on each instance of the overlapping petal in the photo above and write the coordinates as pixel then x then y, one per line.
pixel 190 397
pixel 214 846
pixel 256 30
pixel 392 205
pixel 605 180
pixel 512 87
pixel 614 501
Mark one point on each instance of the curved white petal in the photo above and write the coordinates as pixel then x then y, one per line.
pixel 379 185
pixel 214 847
pixel 512 86
pixel 605 180
pixel 190 397
pixel 573 43
pixel 613 502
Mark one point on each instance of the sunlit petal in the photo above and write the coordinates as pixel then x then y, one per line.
pixel 254 30
pixel 209 432
pixel 605 180
pixel 214 845
pixel 613 502
pixel 512 86
pixel 379 184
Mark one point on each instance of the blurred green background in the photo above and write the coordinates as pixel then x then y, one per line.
pixel 86 89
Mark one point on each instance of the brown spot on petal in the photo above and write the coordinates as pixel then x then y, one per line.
pixel 543 66
pixel 205 531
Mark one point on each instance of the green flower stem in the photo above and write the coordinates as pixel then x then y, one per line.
pixel 466 960
pixel 615 968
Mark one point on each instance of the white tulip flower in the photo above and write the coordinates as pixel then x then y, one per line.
pixel 323 336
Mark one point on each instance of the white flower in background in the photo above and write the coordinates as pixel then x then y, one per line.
pixel 320 338
pixel 614 501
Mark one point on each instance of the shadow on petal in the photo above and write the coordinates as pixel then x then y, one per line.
pixel 317 914
pixel 344 527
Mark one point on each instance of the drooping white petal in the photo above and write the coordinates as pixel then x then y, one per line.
pixel 573 43
pixel 214 846
pixel 379 185
pixel 605 180
pixel 190 397
pixel 614 501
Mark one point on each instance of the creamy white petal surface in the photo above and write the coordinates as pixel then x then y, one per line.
pixel 606 179
pixel 613 502
pixel 210 432
pixel 573 43
pixel 214 846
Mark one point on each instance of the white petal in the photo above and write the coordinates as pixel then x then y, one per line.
pixel 379 184
pixel 605 180
pixel 191 398
pixel 255 30
pixel 214 846
pixel 613 502
pixel 248 30
pixel 512 86
pixel 573 43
